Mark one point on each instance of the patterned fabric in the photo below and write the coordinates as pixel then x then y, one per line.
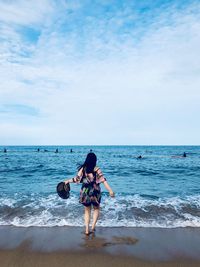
pixel 90 191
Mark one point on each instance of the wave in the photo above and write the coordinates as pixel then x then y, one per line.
pixel 123 210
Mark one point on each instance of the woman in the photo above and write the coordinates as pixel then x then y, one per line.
pixel 91 177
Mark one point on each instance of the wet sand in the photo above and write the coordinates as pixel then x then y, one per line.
pixel 68 246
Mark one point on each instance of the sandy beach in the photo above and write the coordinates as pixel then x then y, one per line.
pixel 68 246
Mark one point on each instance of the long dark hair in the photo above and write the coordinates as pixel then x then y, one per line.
pixel 90 163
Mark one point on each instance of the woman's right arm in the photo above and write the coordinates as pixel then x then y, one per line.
pixel 107 186
pixel 102 179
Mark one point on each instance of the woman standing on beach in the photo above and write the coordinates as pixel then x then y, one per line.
pixel 91 177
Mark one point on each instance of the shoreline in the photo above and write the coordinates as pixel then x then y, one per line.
pixel 120 246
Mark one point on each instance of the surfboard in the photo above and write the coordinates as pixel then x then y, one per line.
pixel 63 190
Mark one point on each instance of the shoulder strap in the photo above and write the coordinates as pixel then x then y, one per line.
pixel 95 172
pixel 83 172
pixel 83 175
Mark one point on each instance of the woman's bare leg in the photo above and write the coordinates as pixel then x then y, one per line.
pixel 87 219
pixel 95 217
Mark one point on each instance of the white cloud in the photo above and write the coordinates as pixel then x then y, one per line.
pixel 25 13
pixel 109 91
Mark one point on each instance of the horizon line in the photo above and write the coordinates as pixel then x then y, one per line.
pixel 105 145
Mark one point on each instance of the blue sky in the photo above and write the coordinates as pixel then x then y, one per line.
pixel 99 72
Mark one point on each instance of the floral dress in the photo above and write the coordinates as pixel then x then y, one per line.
pixel 90 193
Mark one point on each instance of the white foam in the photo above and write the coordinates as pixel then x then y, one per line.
pixel 7 202
pixel 119 211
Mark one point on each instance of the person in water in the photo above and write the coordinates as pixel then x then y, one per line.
pixel 91 177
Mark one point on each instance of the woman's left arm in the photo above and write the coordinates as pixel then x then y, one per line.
pixel 75 179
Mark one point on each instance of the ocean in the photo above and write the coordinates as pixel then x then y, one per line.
pixel 160 190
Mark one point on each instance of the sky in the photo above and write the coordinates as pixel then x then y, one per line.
pixel 99 72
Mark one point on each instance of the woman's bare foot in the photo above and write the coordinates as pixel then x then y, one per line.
pixel 87 231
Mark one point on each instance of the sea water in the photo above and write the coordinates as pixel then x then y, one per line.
pixel 160 190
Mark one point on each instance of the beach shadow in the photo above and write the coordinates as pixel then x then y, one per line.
pixel 93 242
pixel 124 240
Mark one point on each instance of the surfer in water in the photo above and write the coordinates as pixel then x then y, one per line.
pixel 90 176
